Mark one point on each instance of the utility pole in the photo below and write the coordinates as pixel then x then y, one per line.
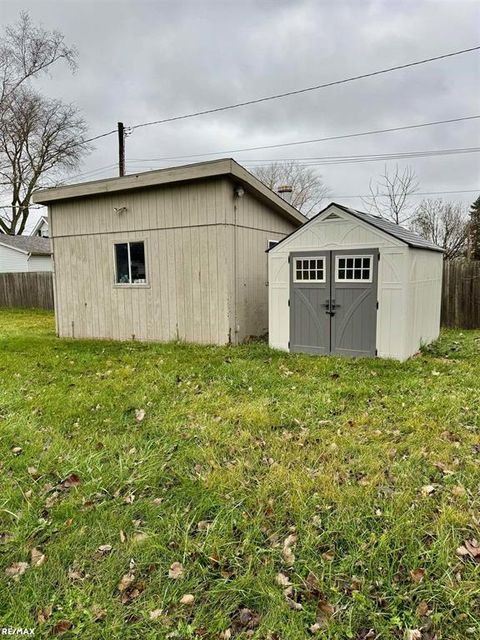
pixel 121 149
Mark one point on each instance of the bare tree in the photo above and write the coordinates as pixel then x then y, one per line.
pixel 308 188
pixel 38 137
pixel 444 223
pixel 390 195
pixel 27 51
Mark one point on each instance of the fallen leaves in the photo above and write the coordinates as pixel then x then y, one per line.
pixel 98 613
pixel 287 552
pixel 44 615
pixel 16 451
pixel 70 481
pixel 176 571
pixel 37 557
pixel 428 490
pixel 188 599
pixel 16 570
pixel 62 626
pixel 417 575
pixel 282 580
pixel 139 415
pixel 470 549
pixel 104 549
pixel 129 587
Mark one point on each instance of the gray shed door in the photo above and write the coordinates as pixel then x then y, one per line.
pixel 333 302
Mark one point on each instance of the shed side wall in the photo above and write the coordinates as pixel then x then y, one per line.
pixel 188 264
pixel 345 233
pixel 256 224
pixel 425 274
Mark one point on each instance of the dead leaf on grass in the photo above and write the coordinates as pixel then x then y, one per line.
pixel 52 499
pixel 122 536
pixel 33 472
pixel 470 549
pixel 156 614
pixel 417 575
pixel 188 599
pixel 325 611
pixel 282 580
pixel 247 619
pixel 287 553
pixel 413 634
pixel 98 613
pixel 16 451
pixel 37 557
pixel 428 489
pixel 104 549
pixel 139 415
pixel 62 626
pixel 16 570
pixel 73 480
pixel 43 615
pixel 459 491
pixel 176 571
pixel 422 609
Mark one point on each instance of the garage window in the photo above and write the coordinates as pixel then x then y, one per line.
pixel 354 268
pixel 130 263
pixel 309 270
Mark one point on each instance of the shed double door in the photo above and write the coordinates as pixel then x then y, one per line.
pixel 333 302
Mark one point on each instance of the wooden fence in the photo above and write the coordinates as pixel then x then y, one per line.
pixel 29 290
pixel 461 294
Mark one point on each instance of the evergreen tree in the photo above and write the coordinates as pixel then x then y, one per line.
pixel 475 230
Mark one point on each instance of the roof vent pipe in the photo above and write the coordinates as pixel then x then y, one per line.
pixel 285 191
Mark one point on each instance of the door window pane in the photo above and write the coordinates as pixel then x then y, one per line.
pixel 310 270
pixel 354 268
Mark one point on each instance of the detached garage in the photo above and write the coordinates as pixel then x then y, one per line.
pixel 350 283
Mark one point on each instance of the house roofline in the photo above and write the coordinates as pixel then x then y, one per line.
pixel 213 168
pixel 352 213
pixel 9 246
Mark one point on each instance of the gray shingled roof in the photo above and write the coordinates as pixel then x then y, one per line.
pixel 34 245
pixel 405 235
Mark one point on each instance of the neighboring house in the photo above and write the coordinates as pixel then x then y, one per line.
pixel 41 228
pixel 349 283
pixel 24 253
pixel 177 253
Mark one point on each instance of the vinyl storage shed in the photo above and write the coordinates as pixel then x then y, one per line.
pixel 350 283
pixel 176 253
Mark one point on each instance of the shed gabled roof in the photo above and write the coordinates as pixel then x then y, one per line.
pixel 198 171
pixel 33 245
pixel 410 238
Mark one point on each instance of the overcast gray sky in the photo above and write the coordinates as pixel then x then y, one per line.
pixel 141 61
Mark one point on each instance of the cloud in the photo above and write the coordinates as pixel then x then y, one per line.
pixel 141 61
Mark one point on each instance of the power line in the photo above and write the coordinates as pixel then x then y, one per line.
pixel 321 160
pixel 310 141
pixel 306 89
pixel 424 193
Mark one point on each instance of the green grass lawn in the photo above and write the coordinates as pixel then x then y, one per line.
pixel 302 496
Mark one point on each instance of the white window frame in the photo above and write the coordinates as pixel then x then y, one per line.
pixel 345 257
pixel 308 280
pixel 115 274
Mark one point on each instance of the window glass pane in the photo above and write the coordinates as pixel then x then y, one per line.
pixel 299 274
pixel 121 261
pixel 341 274
pixel 305 264
pixel 366 274
pixel 137 257
pixel 341 263
pixel 358 274
pixel 349 274
pixel 350 263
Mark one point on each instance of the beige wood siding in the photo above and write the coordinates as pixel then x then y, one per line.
pixel 185 234
pixel 255 226
pixel 205 259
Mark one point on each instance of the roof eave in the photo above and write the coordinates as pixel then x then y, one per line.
pixel 215 168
